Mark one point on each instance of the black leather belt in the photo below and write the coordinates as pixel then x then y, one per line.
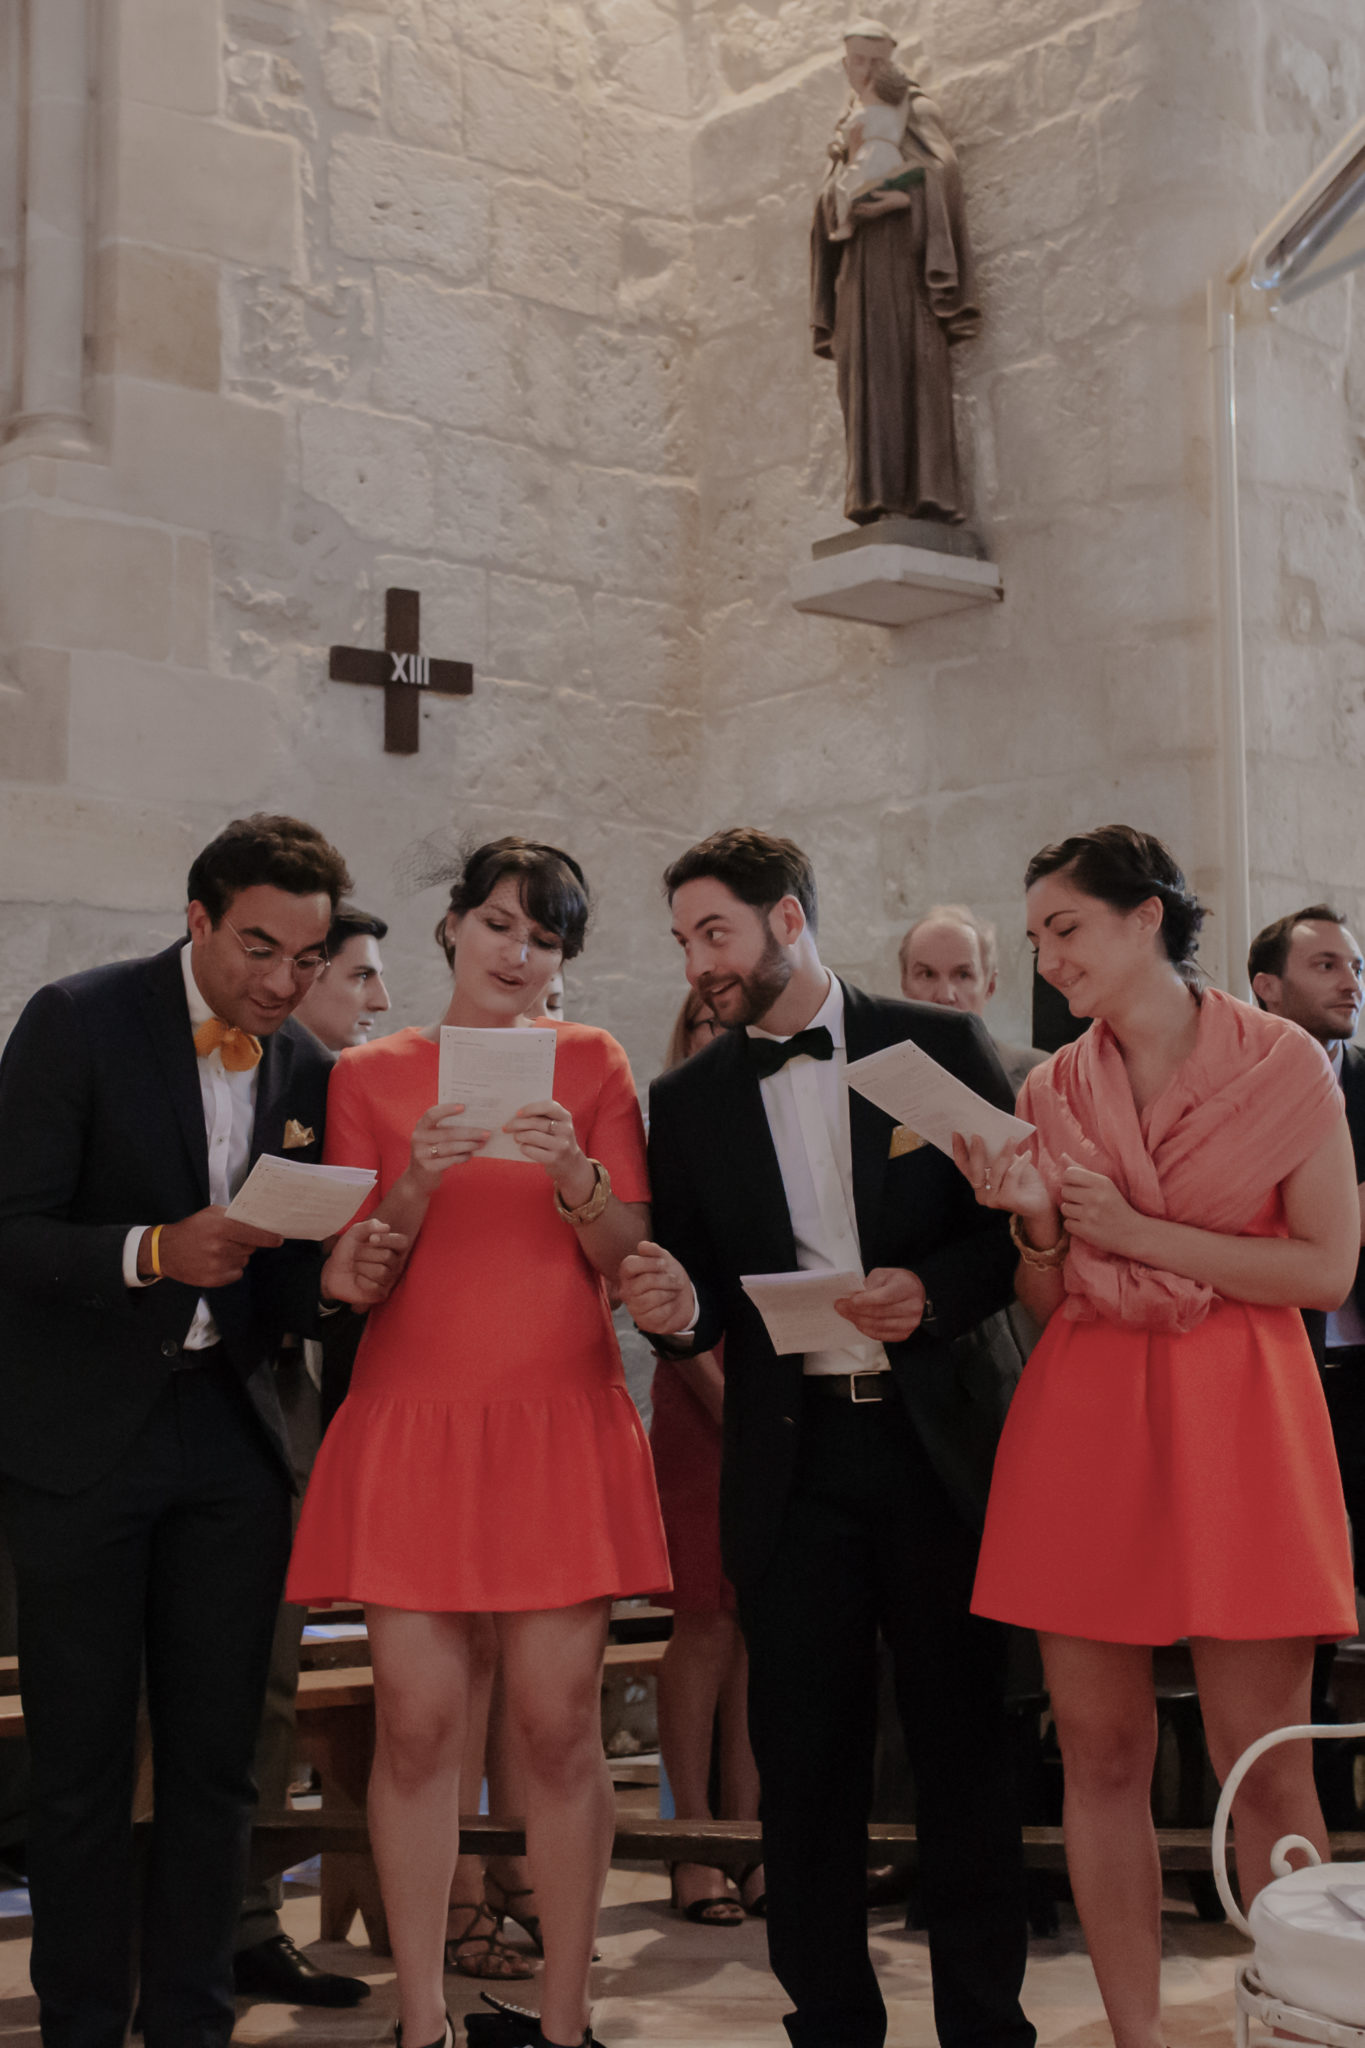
pixel 858 1387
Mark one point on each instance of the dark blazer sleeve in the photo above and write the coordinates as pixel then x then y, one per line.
pixel 678 1223
pixel 46 1082
pixel 973 1276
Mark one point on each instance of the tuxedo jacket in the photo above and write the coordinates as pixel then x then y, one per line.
pixel 101 1128
pixel 720 1207
pixel 1353 1089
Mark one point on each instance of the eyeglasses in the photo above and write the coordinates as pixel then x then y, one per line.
pixel 303 966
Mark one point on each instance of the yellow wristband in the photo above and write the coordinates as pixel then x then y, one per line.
pixel 156 1251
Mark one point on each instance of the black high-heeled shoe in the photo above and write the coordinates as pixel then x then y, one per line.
pixel 513 2026
pixel 447 2039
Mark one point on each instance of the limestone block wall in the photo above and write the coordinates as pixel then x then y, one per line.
pixel 384 294
pixel 506 299
pixel 1114 155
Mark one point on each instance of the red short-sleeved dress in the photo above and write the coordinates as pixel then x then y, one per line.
pixel 488 1458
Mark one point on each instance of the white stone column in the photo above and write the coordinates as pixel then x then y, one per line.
pixel 52 415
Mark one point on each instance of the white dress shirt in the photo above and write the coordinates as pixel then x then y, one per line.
pixel 1345 1325
pixel 806 1104
pixel 229 1113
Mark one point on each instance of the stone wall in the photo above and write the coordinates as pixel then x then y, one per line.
pixel 1115 155
pixel 385 294
pixel 506 299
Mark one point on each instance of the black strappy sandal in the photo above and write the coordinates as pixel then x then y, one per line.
pixel 711 1911
pixel 478 1952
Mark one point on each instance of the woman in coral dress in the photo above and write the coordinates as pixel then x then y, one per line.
pixel 488 1458
pixel 1167 1469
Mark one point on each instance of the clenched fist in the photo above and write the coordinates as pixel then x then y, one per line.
pixel 656 1290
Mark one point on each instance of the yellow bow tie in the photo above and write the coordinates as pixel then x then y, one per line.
pixel 239 1049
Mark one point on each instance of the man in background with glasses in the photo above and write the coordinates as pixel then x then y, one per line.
pixel 144 1473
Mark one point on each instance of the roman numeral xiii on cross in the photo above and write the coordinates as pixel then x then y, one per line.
pixel 402 671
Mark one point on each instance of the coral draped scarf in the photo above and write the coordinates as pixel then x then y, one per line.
pixel 1255 1098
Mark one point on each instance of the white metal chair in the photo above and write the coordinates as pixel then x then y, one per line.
pixel 1309 1925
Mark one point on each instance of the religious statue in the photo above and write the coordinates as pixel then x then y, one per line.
pixel 892 287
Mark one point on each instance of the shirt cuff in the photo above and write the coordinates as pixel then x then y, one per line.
pixel 692 1320
pixel 131 1276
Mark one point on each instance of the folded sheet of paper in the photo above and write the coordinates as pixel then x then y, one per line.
pixel 299 1200
pixel 494 1074
pixel 798 1308
pixel 908 1085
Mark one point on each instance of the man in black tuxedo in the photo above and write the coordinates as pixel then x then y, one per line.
pixel 853 1480
pixel 144 1476
pixel 1309 968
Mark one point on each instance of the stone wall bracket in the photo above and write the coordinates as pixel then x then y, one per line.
pixel 886 582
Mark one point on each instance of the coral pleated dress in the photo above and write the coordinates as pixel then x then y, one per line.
pixel 488 1458
pixel 1167 1467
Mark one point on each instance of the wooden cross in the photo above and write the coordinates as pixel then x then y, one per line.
pixel 402 670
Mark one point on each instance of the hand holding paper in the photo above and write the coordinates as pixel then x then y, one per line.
pixel 441 1139
pixel 493 1074
pixel 889 1307
pixel 916 1090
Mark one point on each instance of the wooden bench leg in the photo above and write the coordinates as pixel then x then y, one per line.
pixel 340 1745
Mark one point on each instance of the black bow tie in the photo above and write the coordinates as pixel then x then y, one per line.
pixel 769 1055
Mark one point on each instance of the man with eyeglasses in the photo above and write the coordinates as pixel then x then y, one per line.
pixel 144 1473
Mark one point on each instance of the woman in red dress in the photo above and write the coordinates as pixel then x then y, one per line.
pixel 488 1458
pixel 1167 1467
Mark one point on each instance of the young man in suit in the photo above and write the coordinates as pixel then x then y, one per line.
pixel 343 1005
pixel 144 1475
pixel 1309 968
pixel 853 1480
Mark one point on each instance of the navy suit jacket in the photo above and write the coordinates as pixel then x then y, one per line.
pixel 102 1127
pixel 720 1207
pixel 1353 1088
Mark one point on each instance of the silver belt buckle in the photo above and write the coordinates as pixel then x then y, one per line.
pixel 861 1400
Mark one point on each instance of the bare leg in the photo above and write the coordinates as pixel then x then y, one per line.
pixel 691 1679
pixel 738 1771
pixel 552 1673
pixel 1105 1709
pixel 508 1875
pixel 469 1919
pixel 1245 1690
pixel 423 1667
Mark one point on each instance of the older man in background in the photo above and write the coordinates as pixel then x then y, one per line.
pixel 949 957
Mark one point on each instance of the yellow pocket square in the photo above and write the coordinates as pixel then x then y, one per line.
pixel 296 1134
pixel 904 1140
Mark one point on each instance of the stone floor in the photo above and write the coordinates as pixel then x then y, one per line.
pixel 665 1983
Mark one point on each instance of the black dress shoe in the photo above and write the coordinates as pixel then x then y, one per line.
pixel 275 1969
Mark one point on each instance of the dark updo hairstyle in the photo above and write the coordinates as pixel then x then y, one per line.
pixel 553 891
pixel 1123 867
